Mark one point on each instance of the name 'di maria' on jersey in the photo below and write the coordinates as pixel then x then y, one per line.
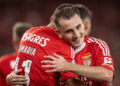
pixel 27 50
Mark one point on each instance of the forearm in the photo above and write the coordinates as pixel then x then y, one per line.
pixel 59 64
pixel 17 80
pixel 95 72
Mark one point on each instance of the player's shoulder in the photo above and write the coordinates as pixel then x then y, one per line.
pixel 39 29
pixel 8 57
pixel 33 29
pixel 94 40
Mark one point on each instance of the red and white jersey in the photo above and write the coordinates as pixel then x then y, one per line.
pixel 93 52
pixel 35 44
pixel 7 63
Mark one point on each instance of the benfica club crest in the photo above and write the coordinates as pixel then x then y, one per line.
pixel 87 60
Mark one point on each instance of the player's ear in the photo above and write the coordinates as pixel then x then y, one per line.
pixel 51 18
pixel 15 44
pixel 87 26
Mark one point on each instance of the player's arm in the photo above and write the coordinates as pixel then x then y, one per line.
pixel 16 80
pixel 59 64
pixel 95 72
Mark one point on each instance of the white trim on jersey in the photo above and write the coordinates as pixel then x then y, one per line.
pixel 107 48
pixel 80 48
pixel 102 45
pixel 76 51
pixel 72 53
pixel 101 48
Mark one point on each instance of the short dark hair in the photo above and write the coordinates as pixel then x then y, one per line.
pixel 84 11
pixel 65 11
pixel 19 29
pixel 64 5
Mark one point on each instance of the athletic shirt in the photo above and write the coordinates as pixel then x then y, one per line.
pixel 93 52
pixel 7 63
pixel 35 44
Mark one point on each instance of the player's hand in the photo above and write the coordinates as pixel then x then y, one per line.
pixel 74 81
pixel 16 80
pixel 57 63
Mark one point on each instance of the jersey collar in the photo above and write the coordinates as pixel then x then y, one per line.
pixel 79 48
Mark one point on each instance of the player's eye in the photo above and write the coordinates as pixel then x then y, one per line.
pixel 78 26
pixel 69 31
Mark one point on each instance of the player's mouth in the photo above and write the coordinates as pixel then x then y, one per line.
pixel 76 41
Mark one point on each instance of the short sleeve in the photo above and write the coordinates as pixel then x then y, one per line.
pixel 102 55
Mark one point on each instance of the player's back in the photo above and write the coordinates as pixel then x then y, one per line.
pixel 35 44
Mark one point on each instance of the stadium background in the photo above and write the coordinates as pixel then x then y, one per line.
pixel 106 22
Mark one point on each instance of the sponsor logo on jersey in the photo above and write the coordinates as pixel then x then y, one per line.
pixel 107 60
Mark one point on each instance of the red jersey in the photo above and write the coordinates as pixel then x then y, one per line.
pixel 35 44
pixel 93 52
pixel 7 63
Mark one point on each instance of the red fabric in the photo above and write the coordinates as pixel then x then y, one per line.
pixel 43 41
pixel 7 63
pixel 95 53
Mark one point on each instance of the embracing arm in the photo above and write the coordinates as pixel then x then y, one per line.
pixel 16 80
pixel 93 72
pixel 59 64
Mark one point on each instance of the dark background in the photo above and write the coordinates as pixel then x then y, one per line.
pixel 106 22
